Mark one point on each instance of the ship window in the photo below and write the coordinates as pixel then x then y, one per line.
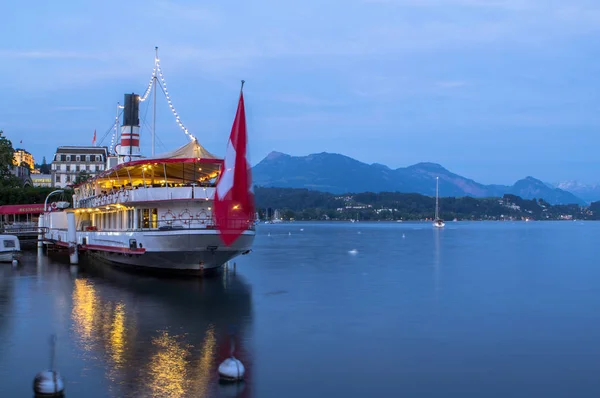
pixel 129 219
pixel 154 218
pixel 145 218
pixel 9 243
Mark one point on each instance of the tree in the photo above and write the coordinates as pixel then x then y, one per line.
pixel 7 153
pixel 82 177
pixel 45 167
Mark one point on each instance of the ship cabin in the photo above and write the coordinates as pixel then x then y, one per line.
pixel 170 191
pixel 20 220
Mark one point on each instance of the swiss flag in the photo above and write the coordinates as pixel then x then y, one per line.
pixel 234 199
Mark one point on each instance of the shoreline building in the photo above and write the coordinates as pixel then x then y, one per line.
pixel 70 161
pixel 41 180
pixel 21 156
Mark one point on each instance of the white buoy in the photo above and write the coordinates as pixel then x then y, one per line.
pixel 404 236
pixel 49 383
pixel 301 229
pixel 15 262
pixel 231 369
pixel 353 251
pixel 289 233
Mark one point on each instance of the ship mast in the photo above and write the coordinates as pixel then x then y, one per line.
pixel 154 100
pixel 437 182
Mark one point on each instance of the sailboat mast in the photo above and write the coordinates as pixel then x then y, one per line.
pixel 437 183
pixel 154 99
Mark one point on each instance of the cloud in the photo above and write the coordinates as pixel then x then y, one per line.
pixel 74 108
pixel 299 99
pixel 47 54
pixel 451 84
pixel 502 4
pixel 182 13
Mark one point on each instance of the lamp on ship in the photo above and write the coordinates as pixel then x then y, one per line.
pixel 50 194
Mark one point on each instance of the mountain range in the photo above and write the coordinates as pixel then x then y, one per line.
pixel 338 174
pixel 589 193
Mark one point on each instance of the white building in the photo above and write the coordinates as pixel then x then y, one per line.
pixel 69 161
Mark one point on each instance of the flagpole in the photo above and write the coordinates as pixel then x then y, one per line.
pixel 242 88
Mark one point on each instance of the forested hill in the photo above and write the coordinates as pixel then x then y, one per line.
pixel 304 204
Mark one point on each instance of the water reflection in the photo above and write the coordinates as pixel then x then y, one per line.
pixel 117 335
pixel 6 305
pixel 84 310
pixel 169 366
pixel 159 338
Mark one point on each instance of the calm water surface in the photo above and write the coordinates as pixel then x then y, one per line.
pixel 327 309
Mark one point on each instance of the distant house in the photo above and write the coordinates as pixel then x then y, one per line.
pixel 22 157
pixel 24 174
pixel 41 180
pixel 69 161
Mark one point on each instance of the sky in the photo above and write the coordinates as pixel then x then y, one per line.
pixel 494 90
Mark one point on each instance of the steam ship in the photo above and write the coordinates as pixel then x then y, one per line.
pixel 154 212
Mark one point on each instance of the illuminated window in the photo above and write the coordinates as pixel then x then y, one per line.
pixel 145 218
pixel 154 218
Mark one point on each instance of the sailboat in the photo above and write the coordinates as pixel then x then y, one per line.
pixel 437 222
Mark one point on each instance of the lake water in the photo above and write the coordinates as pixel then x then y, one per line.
pixel 482 309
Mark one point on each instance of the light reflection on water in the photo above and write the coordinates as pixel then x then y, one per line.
pixel 169 366
pixel 128 335
pixel 84 311
pixel 117 335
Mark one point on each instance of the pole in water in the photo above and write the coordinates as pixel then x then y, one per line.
pixel 49 383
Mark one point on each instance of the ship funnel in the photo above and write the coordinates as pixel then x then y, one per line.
pixel 129 147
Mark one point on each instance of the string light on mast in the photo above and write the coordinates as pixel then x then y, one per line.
pixel 163 84
pixel 115 134
pixel 149 88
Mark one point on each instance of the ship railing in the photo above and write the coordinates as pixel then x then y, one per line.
pixel 192 223
pixel 22 229
pixel 147 194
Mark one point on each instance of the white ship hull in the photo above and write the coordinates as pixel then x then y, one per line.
pixel 193 253
pixel 188 251
pixel 8 256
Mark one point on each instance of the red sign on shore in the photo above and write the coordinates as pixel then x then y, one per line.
pixel 22 209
